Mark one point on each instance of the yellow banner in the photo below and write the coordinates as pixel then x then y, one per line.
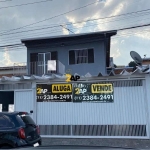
pixel 61 88
pixel 101 88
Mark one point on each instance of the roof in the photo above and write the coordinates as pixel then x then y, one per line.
pixel 7 68
pixel 146 59
pixel 103 33
pixel 12 67
pixel 119 70
pixel 62 78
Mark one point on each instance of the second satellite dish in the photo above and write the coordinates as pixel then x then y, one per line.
pixel 136 57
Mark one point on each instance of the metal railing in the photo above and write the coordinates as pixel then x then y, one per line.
pixel 37 68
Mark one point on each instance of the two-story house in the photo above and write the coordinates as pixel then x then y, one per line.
pixel 80 53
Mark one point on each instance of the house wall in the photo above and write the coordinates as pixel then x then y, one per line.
pixel 99 64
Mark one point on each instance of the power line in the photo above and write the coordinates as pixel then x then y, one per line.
pixel 36 34
pixel 134 27
pixel 132 13
pixel 68 23
pixel 67 29
pixel 25 31
pixel 12 45
pixel 58 30
pixel 28 34
pixel 103 31
pixel 24 4
pixel 18 49
pixel 53 31
pixel 48 28
pixel 53 16
pixel 127 28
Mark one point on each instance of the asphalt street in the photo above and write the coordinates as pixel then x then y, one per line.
pixel 124 143
pixel 74 147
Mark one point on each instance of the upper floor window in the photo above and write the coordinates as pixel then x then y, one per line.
pixel 81 56
pixel 43 57
pixel 39 62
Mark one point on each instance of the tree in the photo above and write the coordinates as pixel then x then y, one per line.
pixel 115 65
pixel 132 64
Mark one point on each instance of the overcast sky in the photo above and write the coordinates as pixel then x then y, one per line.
pixel 128 40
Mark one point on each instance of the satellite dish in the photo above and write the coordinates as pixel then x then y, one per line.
pixel 136 57
pixel 138 60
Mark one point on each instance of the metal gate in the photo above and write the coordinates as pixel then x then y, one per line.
pixel 125 118
pixel 24 101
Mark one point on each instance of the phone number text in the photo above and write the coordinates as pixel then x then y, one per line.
pixel 51 97
pixel 94 97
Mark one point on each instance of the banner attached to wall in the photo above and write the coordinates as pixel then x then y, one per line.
pixel 54 92
pixel 91 92
pixel 76 92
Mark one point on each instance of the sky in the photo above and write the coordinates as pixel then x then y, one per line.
pixel 104 15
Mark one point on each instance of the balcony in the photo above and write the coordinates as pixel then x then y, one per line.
pixel 39 68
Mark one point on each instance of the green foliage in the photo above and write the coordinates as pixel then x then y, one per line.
pixel 115 65
pixel 132 64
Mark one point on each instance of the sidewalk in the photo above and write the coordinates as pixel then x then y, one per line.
pixel 127 143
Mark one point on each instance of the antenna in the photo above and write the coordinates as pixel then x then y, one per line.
pixel 67 29
pixel 138 60
pixel 136 57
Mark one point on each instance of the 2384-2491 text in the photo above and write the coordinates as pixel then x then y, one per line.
pixel 48 97
pixel 95 97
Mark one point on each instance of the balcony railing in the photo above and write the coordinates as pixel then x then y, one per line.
pixel 38 68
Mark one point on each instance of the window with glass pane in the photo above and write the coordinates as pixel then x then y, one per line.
pixel 5 122
pixel 42 62
pixel 47 57
pixel 81 56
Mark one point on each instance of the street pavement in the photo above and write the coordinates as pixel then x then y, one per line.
pixel 125 143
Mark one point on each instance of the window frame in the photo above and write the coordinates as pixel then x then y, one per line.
pixel 76 57
pixel 45 63
pixel 81 56
pixel 44 56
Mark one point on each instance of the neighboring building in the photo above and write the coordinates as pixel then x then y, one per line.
pixel 10 71
pixel 119 70
pixel 146 61
pixel 81 53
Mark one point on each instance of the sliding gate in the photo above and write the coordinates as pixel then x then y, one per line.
pixel 126 117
